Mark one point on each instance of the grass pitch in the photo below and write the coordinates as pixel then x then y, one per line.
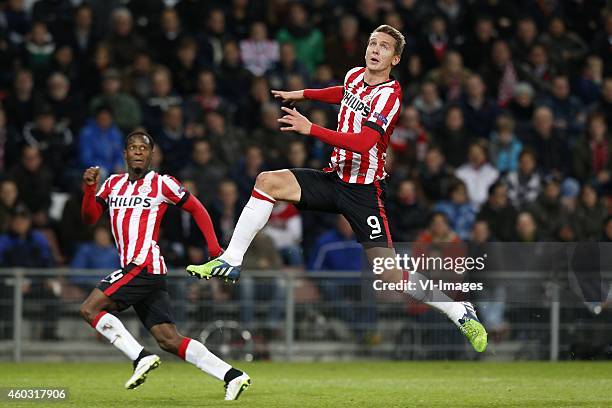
pixel 358 384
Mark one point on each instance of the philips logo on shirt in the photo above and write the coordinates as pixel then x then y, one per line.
pixel 381 117
pixel 356 104
pixel 129 202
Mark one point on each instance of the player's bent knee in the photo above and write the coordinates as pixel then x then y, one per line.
pixel 266 182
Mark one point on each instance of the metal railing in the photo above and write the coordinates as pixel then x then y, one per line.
pixel 298 315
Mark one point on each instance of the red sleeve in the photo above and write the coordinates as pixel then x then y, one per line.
pixel 332 94
pixel 91 207
pixel 194 207
pixel 355 142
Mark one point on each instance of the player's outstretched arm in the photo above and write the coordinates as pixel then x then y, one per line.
pixel 91 209
pixel 360 142
pixel 332 94
pixel 194 207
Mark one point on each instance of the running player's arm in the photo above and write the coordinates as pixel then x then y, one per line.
pixel 176 194
pixel 385 108
pixel 93 204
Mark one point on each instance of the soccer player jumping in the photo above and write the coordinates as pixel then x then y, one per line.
pixel 354 184
pixel 136 202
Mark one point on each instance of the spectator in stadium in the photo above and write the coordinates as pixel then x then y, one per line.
pixel 225 209
pixel 8 200
pixel 478 45
pixel 288 65
pixel 453 138
pixel 269 135
pixel 246 170
pixel 450 78
pixel 161 99
pixel 411 78
pixel 20 102
pixel 205 170
pixel 549 145
pixel 526 228
pixel 308 41
pixel 138 76
pixel 499 213
pixel 207 98
pixel 337 250
pixel 124 42
pixel 344 49
pixel 233 78
pixel 435 42
pixel 461 214
pixel 407 212
pixel 285 230
pixel 590 214
pixel 186 67
pixel 438 231
pixel 173 139
pixel 588 84
pixel 258 52
pixel 435 175
pixel 501 73
pixel 54 142
pixel 591 155
pixel 479 110
pixel 212 39
pixel 100 253
pixel 94 71
pixel 604 104
pixel 567 109
pixel 166 39
pixel 68 107
pixel 23 246
pixel 601 43
pixel 101 143
pixel 409 140
pixel 524 183
pixel 547 210
pixel 538 69
pixel 227 141
pixel 477 174
pixel 504 146
pixel 34 181
pixel 37 50
pixel 521 108
pixel 430 106
pixel 524 40
pixel 126 111
pixel 82 38
pixel 567 47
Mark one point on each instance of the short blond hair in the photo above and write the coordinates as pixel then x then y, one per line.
pixel 400 41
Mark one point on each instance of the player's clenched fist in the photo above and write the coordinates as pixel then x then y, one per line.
pixel 91 176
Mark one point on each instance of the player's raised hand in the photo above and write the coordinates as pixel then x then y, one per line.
pixel 91 176
pixel 288 97
pixel 295 121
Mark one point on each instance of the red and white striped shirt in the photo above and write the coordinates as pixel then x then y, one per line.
pixel 136 210
pixel 376 106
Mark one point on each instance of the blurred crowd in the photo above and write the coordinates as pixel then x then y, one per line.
pixel 504 133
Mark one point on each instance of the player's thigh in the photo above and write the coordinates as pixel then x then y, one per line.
pixel 280 184
pixel 364 208
pixel 318 190
pixel 155 309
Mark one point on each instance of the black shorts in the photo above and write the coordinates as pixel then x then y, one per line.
pixel 363 205
pixel 146 292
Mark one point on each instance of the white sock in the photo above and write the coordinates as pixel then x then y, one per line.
pixel 253 218
pixel 197 354
pixel 436 299
pixel 110 327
